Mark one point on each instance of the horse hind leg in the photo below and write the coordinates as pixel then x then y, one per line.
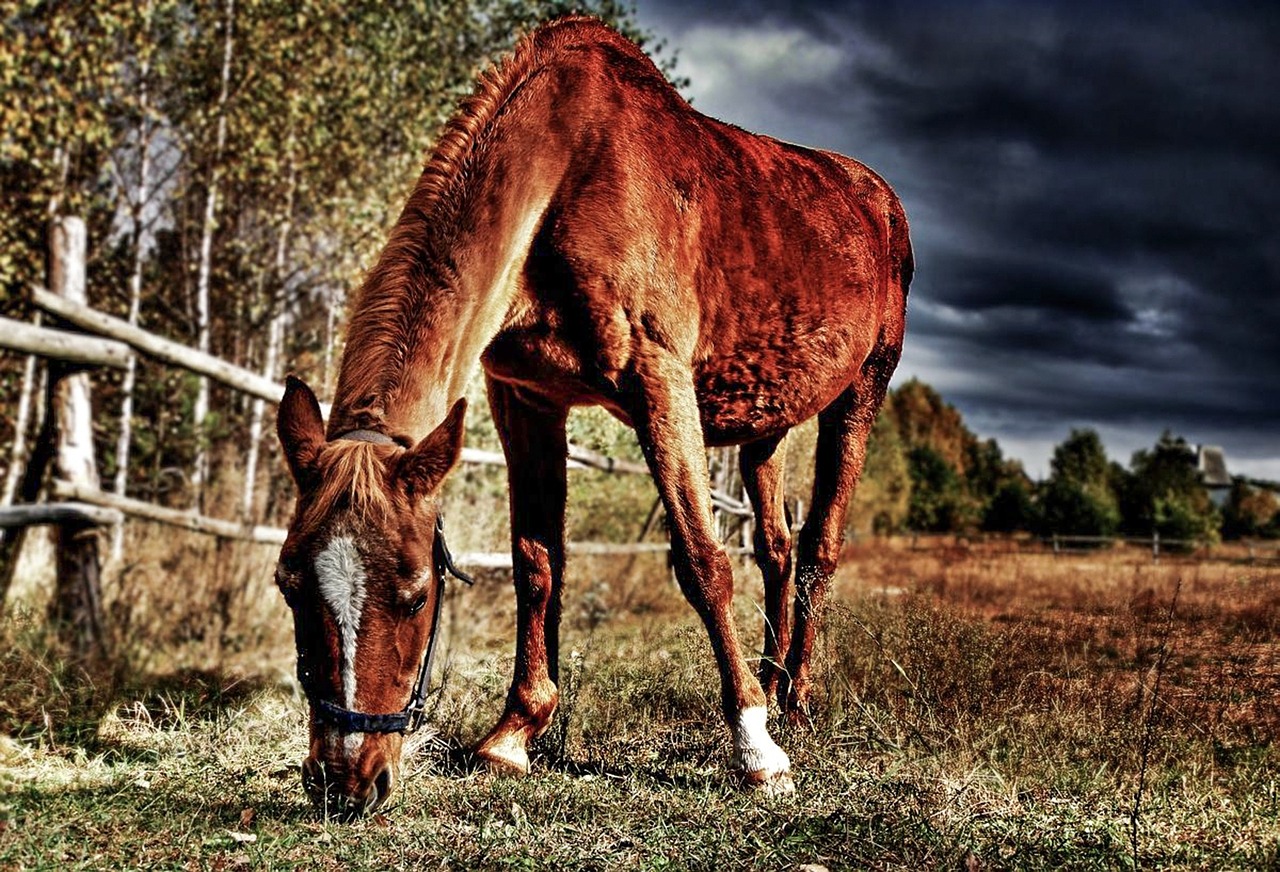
pixel 843 428
pixel 763 465
pixel 535 445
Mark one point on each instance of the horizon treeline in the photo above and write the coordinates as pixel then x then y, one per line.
pixel 926 472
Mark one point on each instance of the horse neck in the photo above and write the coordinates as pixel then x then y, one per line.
pixel 449 276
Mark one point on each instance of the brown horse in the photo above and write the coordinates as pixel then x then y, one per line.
pixel 591 239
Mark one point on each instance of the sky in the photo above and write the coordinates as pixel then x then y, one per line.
pixel 1093 190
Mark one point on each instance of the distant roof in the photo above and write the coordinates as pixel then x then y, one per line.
pixel 1211 462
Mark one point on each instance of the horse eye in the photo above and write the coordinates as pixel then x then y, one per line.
pixel 418 605
pixel 287 582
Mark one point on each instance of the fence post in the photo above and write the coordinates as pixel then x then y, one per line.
pixel 1055 544
pixel 76 609
pixel 1155 546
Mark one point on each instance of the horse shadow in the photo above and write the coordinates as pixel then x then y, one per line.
pixel 452 758
pixel 170 701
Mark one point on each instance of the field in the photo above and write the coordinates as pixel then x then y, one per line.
pixel 981 707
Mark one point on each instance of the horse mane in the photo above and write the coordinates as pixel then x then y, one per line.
pixel 494 86
pixel 389 304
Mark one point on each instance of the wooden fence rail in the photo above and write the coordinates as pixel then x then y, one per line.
pixel 256 385
pixel 89 502
pixel 30 515
pixel 1259 547
pixel 164 350
pixel 1250 550
pixel 1154 542
pixel 186 519
pixel 62 345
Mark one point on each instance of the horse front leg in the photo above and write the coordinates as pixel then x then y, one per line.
pixel 667 421
pixel 534 441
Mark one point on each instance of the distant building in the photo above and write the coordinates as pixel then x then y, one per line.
pixel 1211 464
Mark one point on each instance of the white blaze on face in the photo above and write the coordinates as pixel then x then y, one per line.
pixel 341 576
pixel 753 748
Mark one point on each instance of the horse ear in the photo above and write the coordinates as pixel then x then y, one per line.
pixel 426 464
pixel 301 428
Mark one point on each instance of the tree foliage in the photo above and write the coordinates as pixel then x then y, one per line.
pixel 883 499
pixel 1165 496
pixel 330 111
pixel 939 502
pixel 952 477
pixel 1250 512
pixel 1011 509
pixel 1078 499
pixel 922 417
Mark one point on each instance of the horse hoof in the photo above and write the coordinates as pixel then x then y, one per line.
pixel 770 783
pixel 505 756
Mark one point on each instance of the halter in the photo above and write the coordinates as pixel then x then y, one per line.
pixel 408 719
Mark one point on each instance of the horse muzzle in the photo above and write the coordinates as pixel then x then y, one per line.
pixel 344 794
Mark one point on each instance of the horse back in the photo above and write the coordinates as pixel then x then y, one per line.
pixel 775 271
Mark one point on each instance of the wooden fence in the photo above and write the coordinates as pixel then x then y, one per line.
pixel 1162 546
pixel 122 335
pixel 78 504
pixel 1061 544
pixel 1076 544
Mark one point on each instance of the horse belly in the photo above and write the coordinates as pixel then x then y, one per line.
pixel 767 384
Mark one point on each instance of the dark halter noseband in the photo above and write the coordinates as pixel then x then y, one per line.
pixel 410 717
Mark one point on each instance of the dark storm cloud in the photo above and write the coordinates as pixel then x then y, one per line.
pixel 984 283
pixel 1094 192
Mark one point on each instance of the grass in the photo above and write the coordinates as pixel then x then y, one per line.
pixel 979 710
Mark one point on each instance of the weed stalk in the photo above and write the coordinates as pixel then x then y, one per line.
pixel 1147 739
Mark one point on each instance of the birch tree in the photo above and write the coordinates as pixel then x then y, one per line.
pixel 136 191
pixel 204 266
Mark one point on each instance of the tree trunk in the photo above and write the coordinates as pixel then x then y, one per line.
pixel 726 479
pixel 29 486
pixel 201 410
pixel 137 206
pixel 23 420
pixel 275 338
pixel 330 326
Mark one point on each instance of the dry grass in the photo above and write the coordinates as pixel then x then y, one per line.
pixel 979 709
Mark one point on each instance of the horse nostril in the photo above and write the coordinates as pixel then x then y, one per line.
pixel 313 778
pixel 381 789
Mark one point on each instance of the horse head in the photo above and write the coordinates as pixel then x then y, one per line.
pixel 361 570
